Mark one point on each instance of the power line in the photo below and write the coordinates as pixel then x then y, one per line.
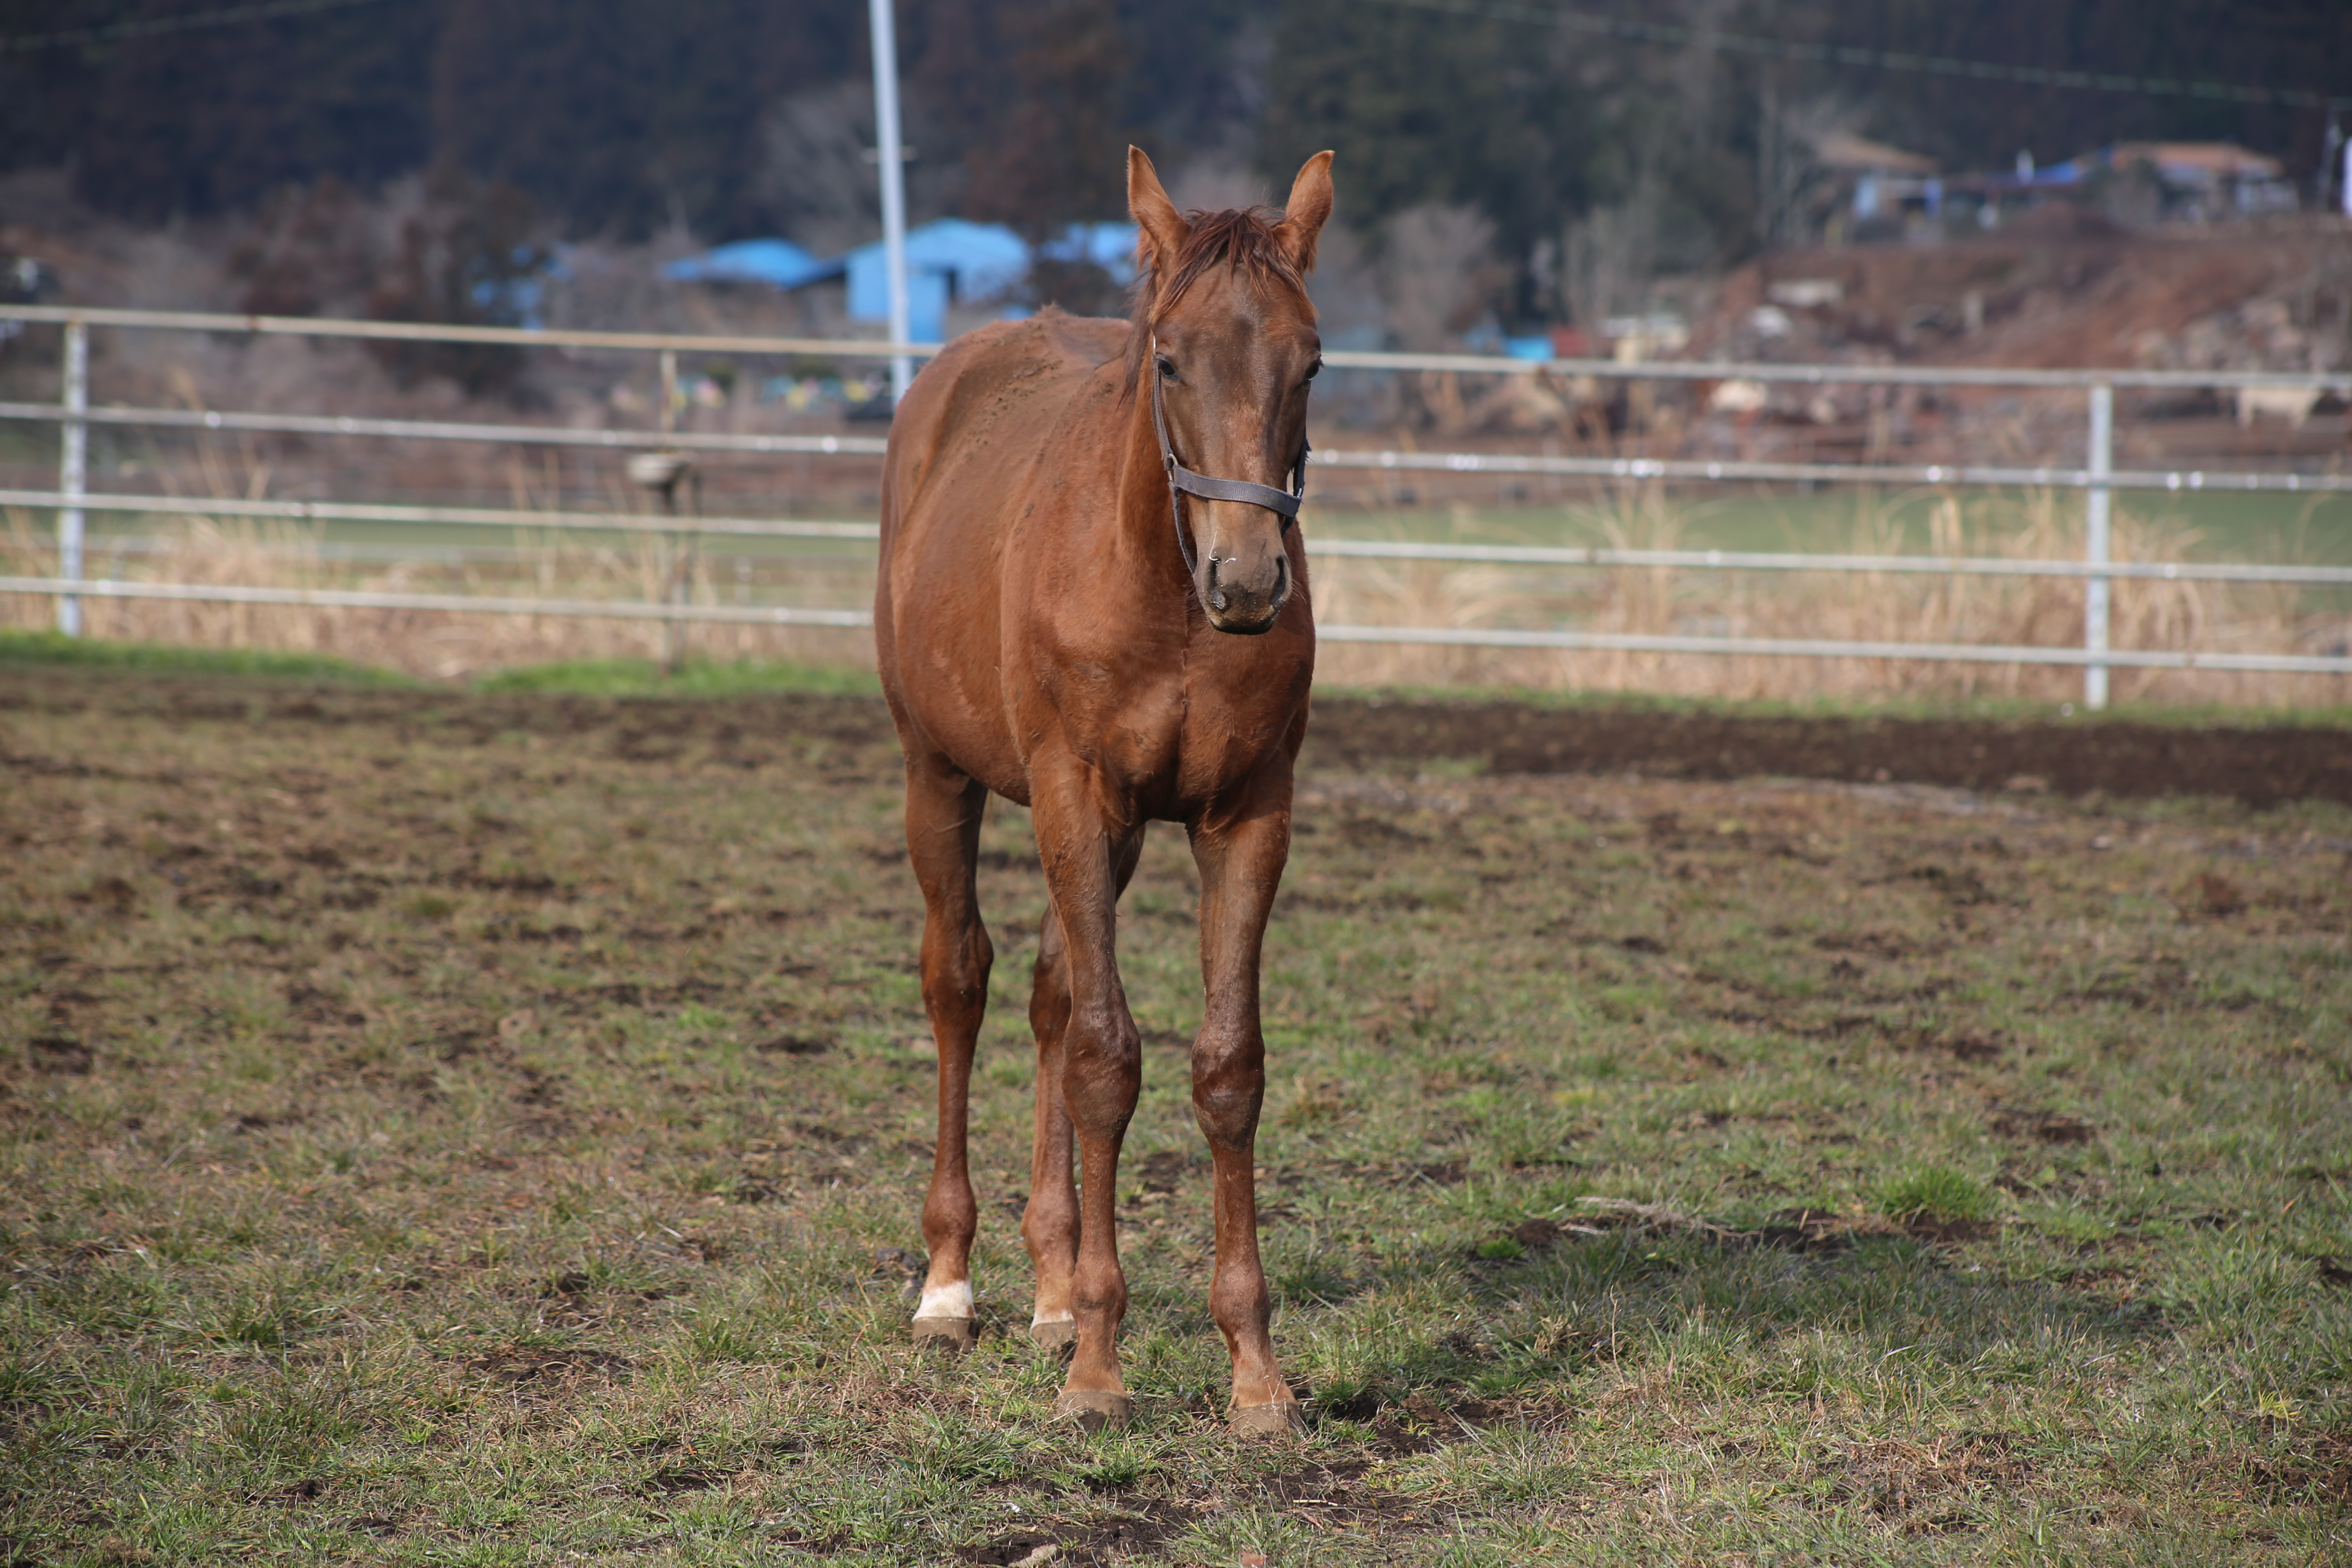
pixel 1878 59
pixel 24 43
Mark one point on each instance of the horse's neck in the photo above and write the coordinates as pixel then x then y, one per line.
pixel 1146 526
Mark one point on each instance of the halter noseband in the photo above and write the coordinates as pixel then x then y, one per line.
pixel 1182 481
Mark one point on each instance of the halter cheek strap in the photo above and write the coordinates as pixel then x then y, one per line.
pixel 1182 481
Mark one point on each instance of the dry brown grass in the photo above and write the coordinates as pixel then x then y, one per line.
pixel 1860 607
pixel 1872 606
pixel 436 644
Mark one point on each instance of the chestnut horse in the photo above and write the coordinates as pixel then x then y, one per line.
pixel 1054 624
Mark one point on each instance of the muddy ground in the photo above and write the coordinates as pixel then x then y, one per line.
pixel 2259 765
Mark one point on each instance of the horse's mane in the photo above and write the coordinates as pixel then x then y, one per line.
pixel 1240 237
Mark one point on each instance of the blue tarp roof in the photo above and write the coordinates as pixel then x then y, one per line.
pixel 978 260
pixel 779 263
pixel 950 258
pixel 1110 246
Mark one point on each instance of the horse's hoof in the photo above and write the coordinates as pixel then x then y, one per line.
pixel 1092 1409
pixel 948 1333
pixel 1282 1420
pixel 1055 1333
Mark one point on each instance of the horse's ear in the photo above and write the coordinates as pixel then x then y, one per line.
pixel 1303 213
pixel 1164 228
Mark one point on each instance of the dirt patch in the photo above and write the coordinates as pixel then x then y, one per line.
pixel 1114 1537
pixel 515 1368
pixel 2260 766
pixel 2044 1126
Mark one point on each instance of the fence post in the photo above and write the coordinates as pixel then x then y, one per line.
pixel 73 468
pixel 2098 504
pixel 891 160
pixel 681 588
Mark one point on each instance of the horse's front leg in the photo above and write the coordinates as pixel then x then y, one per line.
pixel 944 815
pixel 1240 846
pixel 1049 1225
pixel 1101 1070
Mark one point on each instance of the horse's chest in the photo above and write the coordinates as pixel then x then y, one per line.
pixel 1160 744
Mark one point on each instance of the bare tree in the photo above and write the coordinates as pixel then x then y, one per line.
pixel 816 174
pixel 1433 261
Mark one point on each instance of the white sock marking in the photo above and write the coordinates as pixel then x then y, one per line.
pixel 946 1300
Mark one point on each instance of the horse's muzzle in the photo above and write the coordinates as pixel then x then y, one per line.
pixel 1245 597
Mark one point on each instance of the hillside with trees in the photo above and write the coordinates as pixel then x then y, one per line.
pixel 1564 154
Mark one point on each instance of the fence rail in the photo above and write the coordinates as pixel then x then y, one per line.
pixel 1337 359
pixel 2098 478
pixel 1360 549
pixel 1713 470
pixel 1446 637
pixel 464 604
pixel 446 430
pixel 452 516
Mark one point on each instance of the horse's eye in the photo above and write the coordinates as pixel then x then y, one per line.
pixel 1314 369
pixel 1167 368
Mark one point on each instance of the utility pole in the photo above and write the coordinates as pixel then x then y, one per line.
pixel 892 158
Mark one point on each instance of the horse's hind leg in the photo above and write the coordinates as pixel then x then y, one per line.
pixel 1049 1227
pixel 943 815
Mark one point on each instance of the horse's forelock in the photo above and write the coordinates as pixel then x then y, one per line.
pixel 1240 237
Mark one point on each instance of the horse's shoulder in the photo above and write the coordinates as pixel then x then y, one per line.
pixel 1049 344
pixel 1013 381
pixel 1087 340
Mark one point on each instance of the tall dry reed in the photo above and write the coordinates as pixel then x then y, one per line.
pixel 1860 607
pixel 440 644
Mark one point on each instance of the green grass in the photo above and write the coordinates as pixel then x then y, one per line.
pixel 482 1129
pixel 716 678
pixel 695 678
pixel 1936 1192
pixel 2250 527
pixel 575 677
pixel 22 649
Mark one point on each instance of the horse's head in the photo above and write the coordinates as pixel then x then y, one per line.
pixel 1225 344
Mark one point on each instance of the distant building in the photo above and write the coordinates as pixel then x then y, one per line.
pixel 1875 183
pixel 2142 182
pixel 947 260
pixel 2204 180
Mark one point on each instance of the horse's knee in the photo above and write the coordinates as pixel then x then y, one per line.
pixel 956 963
pixel 1102 1071
pixel 1228 1088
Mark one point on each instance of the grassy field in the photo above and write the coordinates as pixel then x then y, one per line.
pixel 468 1128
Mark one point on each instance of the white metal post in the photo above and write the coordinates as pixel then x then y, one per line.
pixel 892 159
pixel 73 469
pixel 2097 509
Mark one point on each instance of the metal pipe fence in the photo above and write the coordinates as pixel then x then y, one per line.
pixel 2097 477
pixel 1359 549
pixel 1712 470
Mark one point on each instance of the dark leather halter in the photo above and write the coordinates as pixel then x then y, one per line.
pixel 1182 481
